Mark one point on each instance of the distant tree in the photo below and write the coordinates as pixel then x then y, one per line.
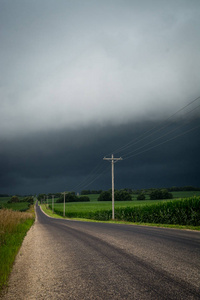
pixel 84 199
pixel 14 199
pixel 29 199
pixel 122 195
pixel 141 196
pixel 166 194
pixel 41 196
pixel 96 191
pixel 85 192
pixel 69 197
pixel 105 196
pixel 158 194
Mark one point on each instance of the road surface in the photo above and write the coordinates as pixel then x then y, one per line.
pixel 62 259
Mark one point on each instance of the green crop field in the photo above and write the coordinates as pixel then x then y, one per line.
pixel 180 211
pixel 85 209
pixel 18 206
pixel 4 200
pixel 21 206
pixel 78 209
pixel 185 194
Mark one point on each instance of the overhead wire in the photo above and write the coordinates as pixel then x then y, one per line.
pixel 100 169
pixel 92 176
pixel 161 136
pixel 181 134
pixel 97 176
pixel 151 131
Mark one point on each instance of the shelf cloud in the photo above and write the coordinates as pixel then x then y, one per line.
pixel 77 78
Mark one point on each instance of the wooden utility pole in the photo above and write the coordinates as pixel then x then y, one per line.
pixel 113 160
pixel 52 203
pixel 64 204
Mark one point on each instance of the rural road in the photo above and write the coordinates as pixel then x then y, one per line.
pixel 62 259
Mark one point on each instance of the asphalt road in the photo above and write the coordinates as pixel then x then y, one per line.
pixel 63 259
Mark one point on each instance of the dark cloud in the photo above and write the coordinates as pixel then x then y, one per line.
pixel 72 159
pixel 79 79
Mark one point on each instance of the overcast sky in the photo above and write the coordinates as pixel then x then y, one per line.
pixel 80 79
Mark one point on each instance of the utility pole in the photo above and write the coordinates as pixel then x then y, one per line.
pixel 64 204
pixel 113 160
pixel 52 203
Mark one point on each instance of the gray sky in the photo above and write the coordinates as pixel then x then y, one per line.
pixel 73 73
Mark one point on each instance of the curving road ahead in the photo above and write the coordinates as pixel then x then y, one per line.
pixel 62 259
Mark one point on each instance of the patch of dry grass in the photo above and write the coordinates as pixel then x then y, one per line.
pixel 9 219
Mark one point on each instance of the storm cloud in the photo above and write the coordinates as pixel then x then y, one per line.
pixel 80 79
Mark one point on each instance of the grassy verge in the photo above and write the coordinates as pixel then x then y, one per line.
pixel 13 228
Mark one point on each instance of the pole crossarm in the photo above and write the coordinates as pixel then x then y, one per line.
pixel 113 160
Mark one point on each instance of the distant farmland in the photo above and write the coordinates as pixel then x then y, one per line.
pixel 182 211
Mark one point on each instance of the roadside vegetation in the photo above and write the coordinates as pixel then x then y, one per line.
pixel 178 211
pixel 14 224
pixel 16 203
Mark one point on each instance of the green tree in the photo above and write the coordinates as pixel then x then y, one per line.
pixel 69 197
pixel 29 199
pixel 122 195
pixel 158 194
pixel 166 194
pixel 84 199
pixel 105 196
pixel 14 199
pixel 141 196
pixel 85 192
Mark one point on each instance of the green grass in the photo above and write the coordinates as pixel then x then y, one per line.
pixel 185 194
pixel 78 208
pixel 8 251
pixel 13 228
pixel 18 206
pixel 4 200
pixel 179 212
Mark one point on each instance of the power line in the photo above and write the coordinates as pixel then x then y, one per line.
pixel 160 137
pixel 181 134
pixel 153 130
pixel 99 170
